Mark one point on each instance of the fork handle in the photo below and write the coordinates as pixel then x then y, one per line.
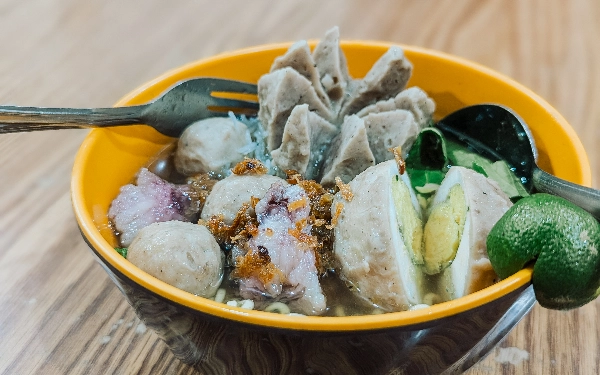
pixel 14 119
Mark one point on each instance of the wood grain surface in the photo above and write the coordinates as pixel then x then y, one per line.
pixel 60 313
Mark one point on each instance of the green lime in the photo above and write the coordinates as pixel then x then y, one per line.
pixel 562 239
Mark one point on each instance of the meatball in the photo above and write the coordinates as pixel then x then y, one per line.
pixel 212 144
pixel 376 236
pixel 228 195
pixel 182 254
pixel 470 269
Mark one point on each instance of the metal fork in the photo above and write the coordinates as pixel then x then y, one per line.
pixel 181 105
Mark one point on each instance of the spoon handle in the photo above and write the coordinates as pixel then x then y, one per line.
pixel 582 196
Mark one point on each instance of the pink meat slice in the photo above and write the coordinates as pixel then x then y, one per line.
pixel 150 200
pixel 278 213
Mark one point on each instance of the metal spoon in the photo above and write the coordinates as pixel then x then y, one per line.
pixel 497 133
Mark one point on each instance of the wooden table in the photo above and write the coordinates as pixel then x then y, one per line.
pixel 60 313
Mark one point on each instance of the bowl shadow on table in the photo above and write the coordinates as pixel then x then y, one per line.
pixel 215 346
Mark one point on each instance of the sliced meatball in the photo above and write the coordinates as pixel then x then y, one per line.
pixel 211 145
pixel 303 144
pixel 184 255
pixel 229 194
pixel 278 93
pixel 416 101
pixel 390 129
pixel 388 76
pixel 331 64
pixel 412 99
pixel 298 57
pixel 349 153
pixel 380 106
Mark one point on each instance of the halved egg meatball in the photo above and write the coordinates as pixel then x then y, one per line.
pixel 462 213
pixel 378 238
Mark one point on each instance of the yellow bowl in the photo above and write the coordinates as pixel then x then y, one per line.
pixel 221 339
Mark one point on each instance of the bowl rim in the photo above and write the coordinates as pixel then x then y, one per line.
pixel 310 323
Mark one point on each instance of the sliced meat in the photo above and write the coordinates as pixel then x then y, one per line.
pixel 349 153
pixel 280 263
pixel 390 129
pixel 304 138
pixel 388 76
pixel 279 92
pixel 151 200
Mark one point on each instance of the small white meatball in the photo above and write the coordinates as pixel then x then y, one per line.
pixel 182 254
pixel 212 144
pixel 228 195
